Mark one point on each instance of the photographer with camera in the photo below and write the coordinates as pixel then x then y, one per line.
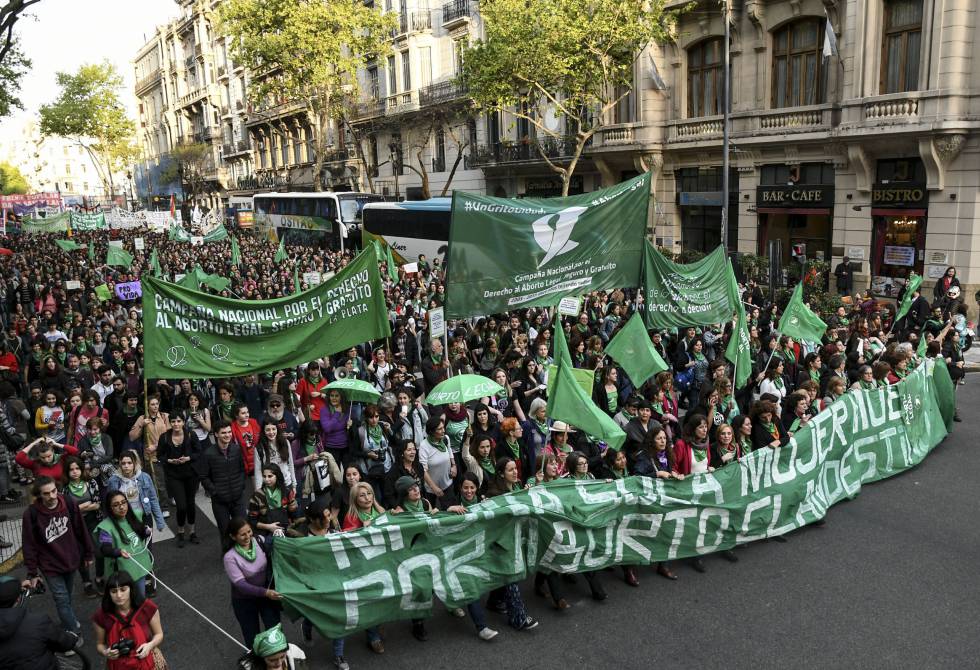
pixel 127 627
pixel 28 640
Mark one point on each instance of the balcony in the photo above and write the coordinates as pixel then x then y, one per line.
pixel 189 62
pixel 235 148
pixel 616 136
pixel 400 103
pixel 444 91
pixel 704 128
pixel 222 71
pixel 414 22
pixel 367 109
pixel 148 81
pixel 810 119
pixel 242 145
pixel 227 149
pixel 194 95
pixel 239 105
pixel 523 152
pixel 455 13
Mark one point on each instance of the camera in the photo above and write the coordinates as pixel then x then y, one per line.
pixel 124 646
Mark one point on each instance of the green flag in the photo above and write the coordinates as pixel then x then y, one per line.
pixel 507 254
pixel 103 293
pixel 799 321
pixel 390 262
pixel 198 335
pixel 155 264
pixel 118 257
pixel 568 402
pixel 681 295
pixel 218 234
pixel 68 245
pixel 739 349
pixel 914 282
pixel 633 350
pixel 920 351
pixel 178 233
pixel 562 355
pixel 236 253
pixel 198 277
pixel 281 251
pixel 296 285
pixel 88 221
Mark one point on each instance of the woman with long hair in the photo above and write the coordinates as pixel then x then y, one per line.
pixel 765 428
pixel 85 492
pixel 363 508
pixel 123 540
pixel 335 421
pixel 274 449
pixel 774 383
pixel 125 615
pixel 273 505
pixel 178 450
pixel 138 487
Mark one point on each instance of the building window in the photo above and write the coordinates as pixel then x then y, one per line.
pixel 901 46
pixel 392 76
pixel 797 73
pixel 439 162
pixel 374 83
pixel 406 72
pixel 459 47
pixel 704 79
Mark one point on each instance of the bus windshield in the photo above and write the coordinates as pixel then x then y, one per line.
pixel 351 205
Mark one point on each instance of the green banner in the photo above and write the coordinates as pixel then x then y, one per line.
pixel 799 321
pixel 391 570
pixel 88 221
pixel 49 224
pixel 177 233
pixel 197 335
pixel 692 294
pixel 508 254
pixel 219 234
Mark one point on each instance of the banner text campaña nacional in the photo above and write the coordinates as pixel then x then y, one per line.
pixel 507 254
pixel 197 335
pixel 391 570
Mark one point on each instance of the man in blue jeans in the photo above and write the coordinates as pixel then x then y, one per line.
pixel 56 543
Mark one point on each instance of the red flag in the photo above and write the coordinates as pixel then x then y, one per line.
pixel 173 206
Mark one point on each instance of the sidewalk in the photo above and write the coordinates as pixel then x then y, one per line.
pixel 971 359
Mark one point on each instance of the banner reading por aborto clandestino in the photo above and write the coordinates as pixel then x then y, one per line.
pixel 507 254
pixel 391 570
pixel 196 335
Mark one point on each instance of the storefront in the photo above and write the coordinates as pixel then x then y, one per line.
pixel 899 207
pixel 699 202
pixel 795 205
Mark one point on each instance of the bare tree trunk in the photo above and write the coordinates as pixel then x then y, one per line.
pixel 452 173
pixel 364 177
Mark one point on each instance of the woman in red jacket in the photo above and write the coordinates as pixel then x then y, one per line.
pixel 75 427
pixel 692 451
pixel 46 461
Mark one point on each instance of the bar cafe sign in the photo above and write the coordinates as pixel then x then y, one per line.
pixel 795 196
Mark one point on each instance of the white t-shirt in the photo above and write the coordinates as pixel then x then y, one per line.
pixel 436 463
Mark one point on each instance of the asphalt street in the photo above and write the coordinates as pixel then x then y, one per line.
pixel 891 581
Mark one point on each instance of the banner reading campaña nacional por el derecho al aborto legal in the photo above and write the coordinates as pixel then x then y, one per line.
pixel 196 335
pixel 391 570
pixel 507 254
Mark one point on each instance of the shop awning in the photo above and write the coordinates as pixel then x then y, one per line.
pixel 793 210
pixel 897 212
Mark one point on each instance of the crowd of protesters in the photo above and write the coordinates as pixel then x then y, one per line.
pixel 110 455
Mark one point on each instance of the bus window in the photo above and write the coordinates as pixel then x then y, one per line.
pixel 325 209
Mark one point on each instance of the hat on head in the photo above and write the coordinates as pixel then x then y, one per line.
pixel 275 397
pixel 404 484
pixel 269 642
pixel 9 591
pixel 561 427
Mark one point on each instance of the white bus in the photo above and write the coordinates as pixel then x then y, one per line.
pixel 326 213
pixel 411 228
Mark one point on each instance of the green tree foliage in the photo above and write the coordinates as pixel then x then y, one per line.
pixel 573 60
pixel 12 182
pixel 13 64
pixel 88 111
pixel 308 52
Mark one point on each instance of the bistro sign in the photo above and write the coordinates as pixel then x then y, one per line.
pixel 795 196
pixel 884 194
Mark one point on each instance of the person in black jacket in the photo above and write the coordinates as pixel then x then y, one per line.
pixel 222 472
pixel 178 449
pixel 434 365
pixel 28 640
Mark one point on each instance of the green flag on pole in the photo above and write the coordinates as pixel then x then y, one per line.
pixel 118 257
pixel 915 281
pixel 920 351
pixel 236 253
pixel 799 321
pixel 198 277
pixel 281 251
pixel 68 245
pixel 390 261
pixel 296 279
pixel 739 350
pixel 91 252
pixel 155 264
pixel 568 402
pixel 632 349
pixel 103 293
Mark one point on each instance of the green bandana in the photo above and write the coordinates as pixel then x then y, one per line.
pixel 542 425
pixel 515 449
pixel 370 515
pixel 375 433
pixel 95 441
pixel 699 454
pixel 78 489
pixel 310 446
pixel 488 466
pixel 436 358
pixel 130 412
pixel 273 497
pixel 224 408
pixel 439 445
pixel 247 554
pixel 270 642
pixel 410 506
pixel 815 375
pixel 868 386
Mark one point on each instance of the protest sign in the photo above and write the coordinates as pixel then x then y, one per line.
pixel 570 306
pixel 437 322
pixel 197 335
pixel 73 285
pixel 116 243
pixel 139 244
pixel 50 224
pixel 509 254
pixel 88 221
pixel 196 240
pixel 311 278
pixel 681 295
pixel 391 570
pixel 129 290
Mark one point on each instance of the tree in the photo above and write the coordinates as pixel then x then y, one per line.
pixel 12 181
pixel 89 112
pixel 309 52
pixel 189 165
pixel 13 64
pixel 563 59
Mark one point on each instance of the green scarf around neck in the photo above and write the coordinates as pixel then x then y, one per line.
pixel 247 554
pixel 273 497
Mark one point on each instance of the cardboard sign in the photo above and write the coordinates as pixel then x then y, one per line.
pixel 411 268
pixel 570 306
pixel 73 285
pixel 311 278
pixel 139 244
pixel 437 322
pixel 132 290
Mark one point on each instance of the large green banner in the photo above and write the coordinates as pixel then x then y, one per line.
pixel 692 294
pixel 196 335
pixel 392 570
pixel 218 234
pixel 49 224
pixel 507 254
pixel 88 221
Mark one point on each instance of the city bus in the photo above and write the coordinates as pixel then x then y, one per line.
pixel 311 216
pixel 411 228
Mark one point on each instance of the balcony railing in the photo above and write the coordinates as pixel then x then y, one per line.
pixel 148 80
pixel 239 105
pixel 399 103
pixel 242 145
pixel 227 149
pixel 414 22
pixel 695 129
pixel 907 108
pixel 524 151
pixel 454 11
pixel 617 136
pixel 368 109
pixel 189 62
pixel 444 91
